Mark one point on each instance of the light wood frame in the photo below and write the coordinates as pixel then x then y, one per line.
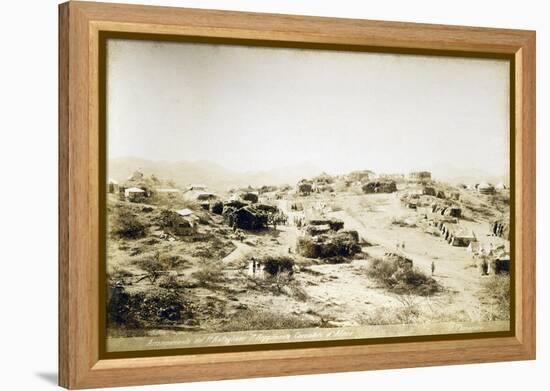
pixel 80 23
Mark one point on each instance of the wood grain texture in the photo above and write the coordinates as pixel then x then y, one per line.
pixel 63 221
pixel 80 24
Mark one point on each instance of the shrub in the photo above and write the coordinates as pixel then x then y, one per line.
pixel 209 273
pixel 146 309
pixel 276 265
pixel 398 275
pixel 152 266
pixel 307 247
pixel 406 314
pixel 496 297
pixel 127 224
pixel 117 272
pixel 169 282
pixel 171 260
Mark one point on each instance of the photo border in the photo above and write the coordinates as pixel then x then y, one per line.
pixel 104 36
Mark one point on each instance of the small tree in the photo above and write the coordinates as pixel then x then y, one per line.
pixel 127 224
pixel 152 266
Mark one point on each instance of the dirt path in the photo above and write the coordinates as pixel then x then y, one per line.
pixel 452 264
pixel 241 250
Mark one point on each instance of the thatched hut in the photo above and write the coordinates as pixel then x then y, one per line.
pixel 380 187
pixel 305 188
pixel 459 236
pixel 502 265
pixel 334 224
pixel 420 176
pixel 429 190
pixel 453 211
pixel 501 228
pixel 112 186
pixel 486 188
pixel 314 230
pixel 250 197
pixel 135 194
pixel 329 245
pixel 178 222
pixel 249 218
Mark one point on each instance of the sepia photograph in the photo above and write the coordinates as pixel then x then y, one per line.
pixel 264 195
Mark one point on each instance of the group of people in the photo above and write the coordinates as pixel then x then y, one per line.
pixel 299 221
pixel 399 245
pixel 256 264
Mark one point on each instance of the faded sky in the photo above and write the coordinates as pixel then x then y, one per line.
pixel 251 109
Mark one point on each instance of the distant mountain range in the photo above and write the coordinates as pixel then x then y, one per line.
pixel 455 175
pixel 207 173
pixel 216 177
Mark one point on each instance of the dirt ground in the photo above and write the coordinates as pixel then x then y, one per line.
pixel 326 295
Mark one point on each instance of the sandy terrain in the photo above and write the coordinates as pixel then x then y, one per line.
pixel 324 294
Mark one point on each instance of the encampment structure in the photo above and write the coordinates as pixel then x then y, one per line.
pixel 167 193
pixel 485 188
pixel 249 218
pixel 112 186
pixel 304 188
pixel 420 176
pixel 457 235
pixel 380 187
pixel 135 194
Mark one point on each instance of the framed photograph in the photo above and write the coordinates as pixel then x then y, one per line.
pixel 247 195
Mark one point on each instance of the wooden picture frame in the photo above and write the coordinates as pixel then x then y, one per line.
pixel 81 25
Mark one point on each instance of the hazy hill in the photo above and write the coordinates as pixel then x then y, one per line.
pixel 210 174
pixel 455 175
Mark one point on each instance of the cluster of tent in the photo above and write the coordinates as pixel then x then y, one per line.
pixel 325 237
pixel 452 211
pixel 380 187
pixel 501 228
pixel 245 215
pixel 319 184
pixel 455 234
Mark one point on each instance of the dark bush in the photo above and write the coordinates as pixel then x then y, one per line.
pixel 251 197
pixel 217 207
pixel 400 276
pixel 276 265
pixel 209 273
pixel 127 224
pixel 307 247
pixel 168 219
pixel 146 309
pixel 379 187
pixel 152 266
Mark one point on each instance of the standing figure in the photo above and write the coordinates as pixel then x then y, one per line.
pixel 433 268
